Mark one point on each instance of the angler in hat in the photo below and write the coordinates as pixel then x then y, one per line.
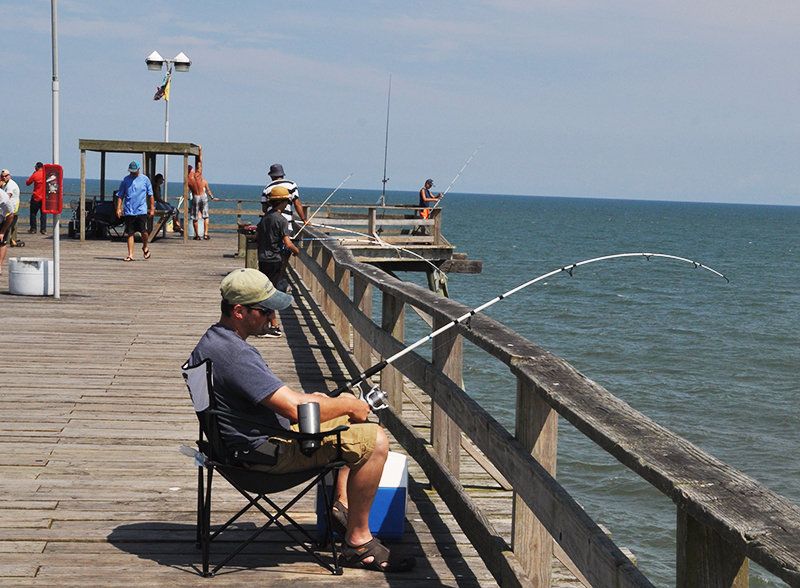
pixel 274 245
pixel 246 387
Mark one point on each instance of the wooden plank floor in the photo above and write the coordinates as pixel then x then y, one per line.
pixel 93 411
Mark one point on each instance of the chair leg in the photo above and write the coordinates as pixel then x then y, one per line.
pixel 328 501
pixel 200 507
pixel 206 532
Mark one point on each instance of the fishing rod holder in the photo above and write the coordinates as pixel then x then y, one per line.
pixel 376 398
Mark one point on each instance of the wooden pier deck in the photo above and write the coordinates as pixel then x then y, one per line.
pixel 93 412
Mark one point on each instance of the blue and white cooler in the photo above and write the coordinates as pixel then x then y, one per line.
pixel 388 513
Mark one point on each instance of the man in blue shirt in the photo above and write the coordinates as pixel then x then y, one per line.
pixel 136 194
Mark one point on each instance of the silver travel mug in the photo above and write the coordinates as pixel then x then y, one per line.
pixel 308 420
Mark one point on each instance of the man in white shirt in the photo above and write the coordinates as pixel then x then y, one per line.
pixel 276 174
pixel 12 189
pixel 6 218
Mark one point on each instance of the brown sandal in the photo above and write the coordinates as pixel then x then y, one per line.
pixel 339 519
pixel 384 560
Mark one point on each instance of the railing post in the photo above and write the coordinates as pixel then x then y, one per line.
pixel 393 321
pixel 362 298
pixel 445 435
pixel 316 256
pixel 537 430
pixel 706 560
pixel 325 300
pixel 342 278
pixel 371 220
pixel 436 230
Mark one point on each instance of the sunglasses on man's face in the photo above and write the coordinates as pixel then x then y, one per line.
pixel 260 309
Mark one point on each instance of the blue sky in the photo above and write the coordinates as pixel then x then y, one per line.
pixel 620 99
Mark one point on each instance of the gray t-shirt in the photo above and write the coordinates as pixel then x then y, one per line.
pixel 241 381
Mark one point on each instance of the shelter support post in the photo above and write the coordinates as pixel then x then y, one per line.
pixel 185 198
pixel 82 210
pixel 102 176
pixel 537 430
pixel 706 560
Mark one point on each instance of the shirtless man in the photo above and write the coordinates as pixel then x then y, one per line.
pixel 199 189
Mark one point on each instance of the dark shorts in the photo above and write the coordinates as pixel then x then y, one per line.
pixel 135 224
pixel 271 269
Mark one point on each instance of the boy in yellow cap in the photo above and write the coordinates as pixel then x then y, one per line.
pixel 273 238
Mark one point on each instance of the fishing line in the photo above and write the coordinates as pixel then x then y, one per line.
pixel 324 202
pixel 465 317
pixel 455 178
pixel 383 243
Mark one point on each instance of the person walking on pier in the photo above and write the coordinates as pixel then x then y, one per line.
pixel 246 387
pixel 37 198
pixel 274 246
pixel 276 174
pixel 134 204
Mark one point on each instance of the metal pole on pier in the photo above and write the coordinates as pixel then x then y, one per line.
pixel 56 217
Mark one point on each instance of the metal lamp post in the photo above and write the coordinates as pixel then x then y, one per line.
pixel 181 63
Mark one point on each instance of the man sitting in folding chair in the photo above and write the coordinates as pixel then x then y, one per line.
pixel 244 386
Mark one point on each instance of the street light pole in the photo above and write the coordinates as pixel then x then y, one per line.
pixel 56 217
pixel 155 62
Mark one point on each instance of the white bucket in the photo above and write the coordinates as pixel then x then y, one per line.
pixel 30 276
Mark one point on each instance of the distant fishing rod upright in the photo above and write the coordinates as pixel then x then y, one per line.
pixel 377 398
pixel 455 178
pixel 324 202
pixel 382 200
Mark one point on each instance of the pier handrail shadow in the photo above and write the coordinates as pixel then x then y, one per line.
pixel 724 517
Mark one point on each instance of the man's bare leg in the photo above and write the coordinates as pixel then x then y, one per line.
pixel 205 227
pixel 362 485
pixel 130 245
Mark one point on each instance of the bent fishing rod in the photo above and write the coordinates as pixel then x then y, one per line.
pixel 455 178
pixel 377 398
pixel 324 202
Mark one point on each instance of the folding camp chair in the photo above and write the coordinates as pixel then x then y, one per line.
pixel 255 486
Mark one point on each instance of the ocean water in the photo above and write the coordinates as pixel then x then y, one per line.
pixel 715 362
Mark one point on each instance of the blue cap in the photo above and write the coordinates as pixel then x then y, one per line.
pixel 134 166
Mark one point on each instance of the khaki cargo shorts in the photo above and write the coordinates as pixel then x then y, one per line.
pixel 358 443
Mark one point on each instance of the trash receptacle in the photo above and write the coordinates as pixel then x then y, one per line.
pixel 31 276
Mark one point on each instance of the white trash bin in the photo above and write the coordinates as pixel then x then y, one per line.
pixel 31 276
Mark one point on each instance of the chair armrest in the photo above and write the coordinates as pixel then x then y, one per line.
pixel 278 432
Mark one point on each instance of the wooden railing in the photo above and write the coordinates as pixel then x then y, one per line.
pixel 723 516
pixel 394 224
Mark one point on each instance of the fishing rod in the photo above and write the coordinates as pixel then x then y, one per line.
pixel 455 178
pixel 324 202
pixel 377 397
pixel 383 243
pixel 382 200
